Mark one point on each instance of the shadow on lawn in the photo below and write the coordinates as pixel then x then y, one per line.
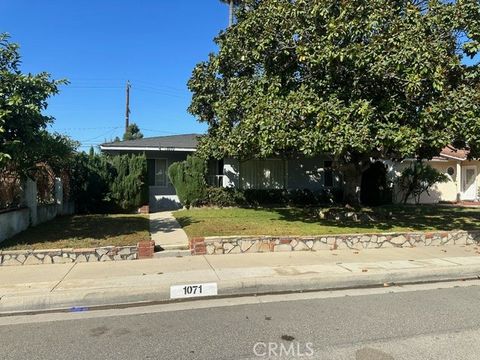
pixel 80 227
pixel 417 217
pixel 185 221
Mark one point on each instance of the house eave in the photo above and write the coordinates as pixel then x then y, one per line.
pixel 453 157
pixel 137 148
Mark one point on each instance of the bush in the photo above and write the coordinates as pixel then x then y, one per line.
pixel 257 197
pixel 302 197
pixel 224 197
pixel 330 196
pixel 417 179
pixel 128 189
pixel 188 178
pixel 101 183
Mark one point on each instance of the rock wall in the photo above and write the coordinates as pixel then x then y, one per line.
pixel 62 256
pixel 254 244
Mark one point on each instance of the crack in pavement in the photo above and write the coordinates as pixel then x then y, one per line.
pixel 63 277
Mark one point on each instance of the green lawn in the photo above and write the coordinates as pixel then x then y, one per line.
pixel 293 221
pixel 82 231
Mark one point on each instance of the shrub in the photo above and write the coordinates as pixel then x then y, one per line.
pixel 417 179
pixel 302 197
pixel 101 183
pixel 188 178
pixel 257 197
pixel 330 196
pixel 223 197
pixel 128 189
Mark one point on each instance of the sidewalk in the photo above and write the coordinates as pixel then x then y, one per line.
pixel 167 232
pixel 41 287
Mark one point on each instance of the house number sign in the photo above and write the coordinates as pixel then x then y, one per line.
pixel 193 290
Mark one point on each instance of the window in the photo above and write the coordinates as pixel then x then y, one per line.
pixel 161 172
pixel 262 174
pixel 450 171
pixel 327 174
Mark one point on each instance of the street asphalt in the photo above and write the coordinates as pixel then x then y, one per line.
pixel 424 322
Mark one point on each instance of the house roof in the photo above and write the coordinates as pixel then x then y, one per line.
pixel 183 142
pixel 452 153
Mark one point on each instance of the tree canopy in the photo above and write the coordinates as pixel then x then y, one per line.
pixel 132 132
pixel 24 140
pixel 356 79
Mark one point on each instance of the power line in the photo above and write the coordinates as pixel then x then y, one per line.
pixel 96 137
pixel 119 81
pixel 93 87
pixel 87 128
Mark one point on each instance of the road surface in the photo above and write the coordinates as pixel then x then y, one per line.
pixel 420 322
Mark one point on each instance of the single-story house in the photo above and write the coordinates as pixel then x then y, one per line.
pixel 312 173
pixel 297 173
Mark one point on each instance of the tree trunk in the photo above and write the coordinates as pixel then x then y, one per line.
pixel 352 181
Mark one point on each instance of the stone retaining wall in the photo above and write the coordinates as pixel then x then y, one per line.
pixel 253 244
pixel 62 256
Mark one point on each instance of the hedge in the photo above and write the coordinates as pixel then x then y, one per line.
pixel 225 197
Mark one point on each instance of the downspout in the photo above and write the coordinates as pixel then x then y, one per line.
pixel 459 181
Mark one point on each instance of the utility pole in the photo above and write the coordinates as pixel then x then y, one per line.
pixel 127 110
pixel 230 13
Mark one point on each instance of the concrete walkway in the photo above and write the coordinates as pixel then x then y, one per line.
pixel 167 232
pixel 40 287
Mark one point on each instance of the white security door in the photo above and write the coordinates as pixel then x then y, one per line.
pixel 469 183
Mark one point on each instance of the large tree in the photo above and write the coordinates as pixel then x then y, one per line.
pixel 358 79
pixel 24 141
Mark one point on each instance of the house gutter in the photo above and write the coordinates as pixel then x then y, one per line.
pixel 453 157
pixel 120 148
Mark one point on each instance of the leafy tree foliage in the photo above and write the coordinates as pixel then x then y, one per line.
pixel 24 142
pixel 188 178
pixel 132 133
pixel 358 79
pixel 418 179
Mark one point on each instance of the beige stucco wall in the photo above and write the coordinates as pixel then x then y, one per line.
pixel 442 191
pixel 446 191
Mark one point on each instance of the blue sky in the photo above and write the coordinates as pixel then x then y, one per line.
pixel 99 45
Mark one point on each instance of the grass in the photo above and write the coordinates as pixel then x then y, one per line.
pixel 296 221
pixel 82 231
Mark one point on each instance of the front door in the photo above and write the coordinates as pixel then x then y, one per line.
pixel 469 183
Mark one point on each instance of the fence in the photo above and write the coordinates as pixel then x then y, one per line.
pixel 31 210
pixel 10 190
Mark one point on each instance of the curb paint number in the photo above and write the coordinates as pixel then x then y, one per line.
pixel 193 290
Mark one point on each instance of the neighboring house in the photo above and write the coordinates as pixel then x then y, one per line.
pixel 463 177
pixel 298 173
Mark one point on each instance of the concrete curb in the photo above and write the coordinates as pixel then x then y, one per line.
pixel 66 300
